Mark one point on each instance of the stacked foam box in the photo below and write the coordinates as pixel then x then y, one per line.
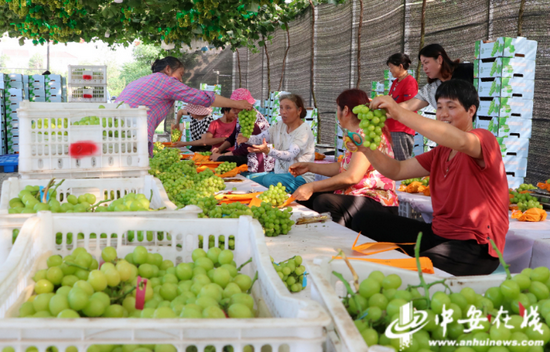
pixel 3 148
pixel 37 88
pixel 217 88
pixel 421 143
pixel 504 74
pixel 377 88
pixel 339 148
pixel 53 86
pixel 13 96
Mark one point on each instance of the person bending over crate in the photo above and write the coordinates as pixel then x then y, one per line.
pixel 468 186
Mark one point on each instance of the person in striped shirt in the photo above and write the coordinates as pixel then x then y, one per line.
pixel 159 90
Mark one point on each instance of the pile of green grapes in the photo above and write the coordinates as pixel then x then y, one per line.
pixel 425 181
pixel 274 221
pixel 247 119
pixel 275 195
pixel 372 122
pixel 176 135
pixel 30 202
pixel 232 210
pixel 162 160
pixel 73 287
pixel 225 167
pixel 524 201
pixel 292 272
pixel 204 153
pixel 88 120
pixel 526 187
pixel 380 297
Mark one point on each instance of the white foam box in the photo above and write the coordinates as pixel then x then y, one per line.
pixel 515 164
pixel 516 107
pixel 506 47
pixel 39 98
pixel 13 140
pixel 37 80
pixel 12 106
pixel 15 77
pixel 377 87
pixel 489 123
pixel 53 90
pixel 506 87
pixel 418 139
pixel 12 132
pixel 489 107
pixel 418 149
pixel 13 85
pixel 514 126
pixel 505 67
pixel 514 181
pixel 514 144
pixel 54 98
pixel 13 94
pixel 52 79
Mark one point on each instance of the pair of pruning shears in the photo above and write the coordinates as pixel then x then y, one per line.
pixel 354 138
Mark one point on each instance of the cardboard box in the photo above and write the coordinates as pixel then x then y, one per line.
pixel 489 123
pixel 12 132
pixel 507 126
pixel 506 87
pixel 516 165
pixel 13 95
pixel 49 91
pixel 513 144
pixel 514 182
pixel 516 107
pixel 506 47
pixel 418 149
pixel 14 85
pixel 54 99
pixel 489 107
pixel 55 79
pixel 15 77
pixel 505 67
pixel 418 139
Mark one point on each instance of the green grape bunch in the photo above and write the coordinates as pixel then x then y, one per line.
pixel 176 135
pixel 247 119
pixel 372 123
pixel 292 273
pixel 209 287
pixel 377 304
pixel 276 195
pixel 526 187
pixel 274 221
pixel 524 201
pixel 157 147
pixel 225 167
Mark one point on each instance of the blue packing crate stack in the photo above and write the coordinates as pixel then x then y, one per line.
pixel 504 75
pixel 9 162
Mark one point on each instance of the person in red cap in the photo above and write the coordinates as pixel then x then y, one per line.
pixel 159 90
pixel 201 120
pixel 257 162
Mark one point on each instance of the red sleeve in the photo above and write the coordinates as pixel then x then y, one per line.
pixel 212 128
pixel 410 89
pixel 489 147
pixel 426 159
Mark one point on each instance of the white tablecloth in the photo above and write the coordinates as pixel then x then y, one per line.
pixel 520 238
pixel 541 249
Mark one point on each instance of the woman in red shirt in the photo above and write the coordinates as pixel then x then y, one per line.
pixel 402 89
pixel 467 183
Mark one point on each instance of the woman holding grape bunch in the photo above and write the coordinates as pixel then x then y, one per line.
pixel 256 162
pixel 161 89
pixel 291 141
pixel 467 183
pixel 354 185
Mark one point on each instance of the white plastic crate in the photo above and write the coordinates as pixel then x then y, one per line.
pixel 115 187
pixel 87 93
pixel 327 289
pixel 87 74
pixel 285 320
pixel 47 132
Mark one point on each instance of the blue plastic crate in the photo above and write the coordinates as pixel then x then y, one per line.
pixel 9 162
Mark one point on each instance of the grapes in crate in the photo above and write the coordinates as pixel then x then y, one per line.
pixel 176 135
pixel 88 120
pixel 372 123
pixel 74 286
pixel 292 273
pixel 30 201
pixel 247 119
pixel 224 167
pixel 276 195
pixel 504 313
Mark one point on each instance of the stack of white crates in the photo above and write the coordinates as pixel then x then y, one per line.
pixel 13 96
pixel 86 84
pixel 504 74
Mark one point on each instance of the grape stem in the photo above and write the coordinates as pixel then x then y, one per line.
pixel 56 186
pixel 45 196
pixel 77 266
pixel 243 264
pixel 353 272
pixel 253 281
pixel 159 209
pixel 100 202
pixel 420 275
pixel 501 259
pixel 350 291
pixel 114 299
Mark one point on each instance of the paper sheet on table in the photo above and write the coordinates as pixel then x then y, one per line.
pixel 370 248
pixel 405 263
pixel 197 158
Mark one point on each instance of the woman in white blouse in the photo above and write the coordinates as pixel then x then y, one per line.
pixel 288 141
